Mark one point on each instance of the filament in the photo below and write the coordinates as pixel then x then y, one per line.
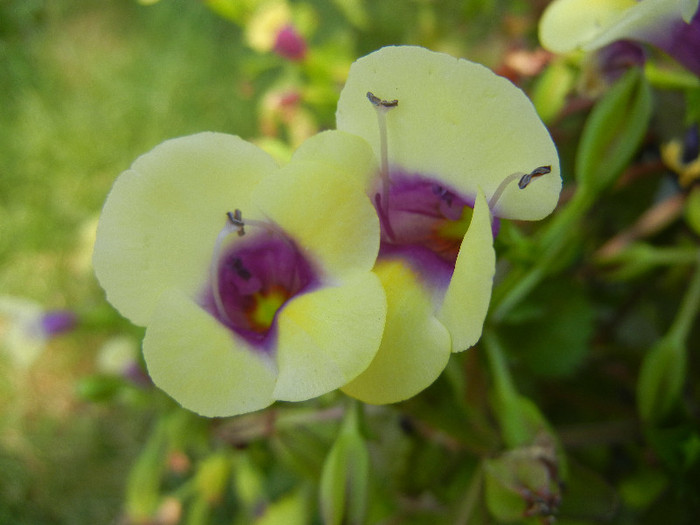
pixel 382 107
pixel 523 182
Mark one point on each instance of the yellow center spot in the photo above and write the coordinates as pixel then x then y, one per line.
pixel 447 235
pixel 456 229
pixel 266 306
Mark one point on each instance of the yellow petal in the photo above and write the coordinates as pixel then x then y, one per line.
pixel 348 154
pixel 327 337
pixel 456 122
pixel 160 221
pixel 328 215
pixel 201 364
pixel 415 347
pixel 468 295
pixel 569 24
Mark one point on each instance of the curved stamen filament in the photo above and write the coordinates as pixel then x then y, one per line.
pixel 234 223
pixel 523 182
pixel 382 107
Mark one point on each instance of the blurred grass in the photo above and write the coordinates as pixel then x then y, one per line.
pixel 86 88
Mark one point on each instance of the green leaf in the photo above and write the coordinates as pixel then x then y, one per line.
pixel 613 132
pixel 291 509
pixel 343 490
pixel 661 379
pixel 212 476
pixel 663 78
pixel 692 210
pixel 550 333
pixel 102 387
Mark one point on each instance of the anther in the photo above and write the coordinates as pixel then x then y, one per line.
pixel 537 172
pixel 234 223
pixel 378 102
pixel 523 182
pixel 236 219
pixel 382 106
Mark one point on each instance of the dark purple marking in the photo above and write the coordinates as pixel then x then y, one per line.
pixel 261 263
pixel 416 211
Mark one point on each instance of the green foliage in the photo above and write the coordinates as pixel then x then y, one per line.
pixel 344 480
pixel 661 379
pixel 613 133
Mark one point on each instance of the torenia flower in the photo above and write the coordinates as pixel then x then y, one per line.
pixel 444 140
pixel 254 282
pixel 670 25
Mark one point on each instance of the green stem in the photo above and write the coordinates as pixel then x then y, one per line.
pixel 688 312
pixel 551 243
pixel 470 502
pixel 517 292
pixel 558 230
pixel 673 256
pixel 506 397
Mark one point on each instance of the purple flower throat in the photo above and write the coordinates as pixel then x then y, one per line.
pixel 254 278
pixel 419 213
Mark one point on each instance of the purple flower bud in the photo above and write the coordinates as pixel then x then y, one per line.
pixel 57 322
pixel 615 59
pixel 290 44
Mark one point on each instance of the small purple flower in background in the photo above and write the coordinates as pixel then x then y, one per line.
pixel 26 327
pixel 57 322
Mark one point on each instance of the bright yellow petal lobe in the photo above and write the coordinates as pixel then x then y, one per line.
pixel 327 337
pixel 415 347
pixel 457 122
pixel 468 295
pixel 325 213
pixel 160 221
pixel 569 24
pixel 201 364
pixel 347 154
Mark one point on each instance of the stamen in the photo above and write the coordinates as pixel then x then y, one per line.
pixel 234 223
pixel 382 107
pixel 523 182
pixel 236 219
pixel 537 172
pixel 376 101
